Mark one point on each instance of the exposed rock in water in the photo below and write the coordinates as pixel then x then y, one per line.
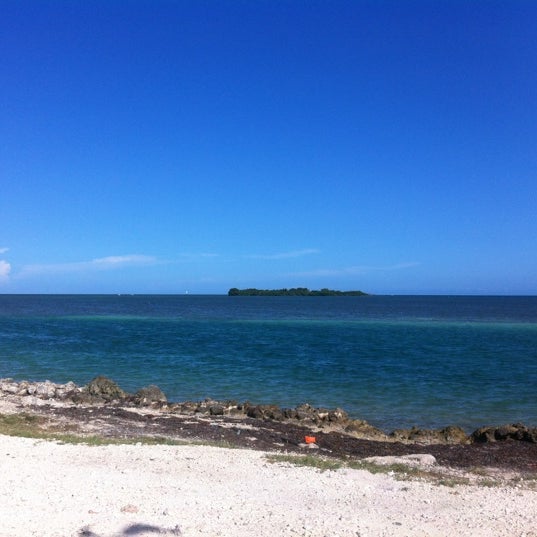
pixel 148 395
pixel 265 412
pixel 217 410
pixel 45 390
pixel 106 389
pixel 517 431
pixel 447 435
pixel 318 418
pixel 321 418
pixel 362 429
pixel 188 408
pixel 42 390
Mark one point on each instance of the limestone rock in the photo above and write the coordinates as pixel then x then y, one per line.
pixel 454 435
pixel 447 435
pixel 516 431
pixel 305 412
pixel 148 395
pixel 265 412
pixel 362 429
pixel 8 386
pixel 188 407
pixel 105 388
pixel 216 410
pixel 85 398
pixel 45 390
pixel 337 416
pixel 66 391
pixel 41 390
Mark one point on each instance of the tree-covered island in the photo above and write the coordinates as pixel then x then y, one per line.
pixel 295 291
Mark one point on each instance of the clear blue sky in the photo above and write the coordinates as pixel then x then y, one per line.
pixel 165 146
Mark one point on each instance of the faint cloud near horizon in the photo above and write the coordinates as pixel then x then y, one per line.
pixel 285 255
pixel 112 262
pixel 5 269
pixel 357 270
pixel 101 263
pixel 202 255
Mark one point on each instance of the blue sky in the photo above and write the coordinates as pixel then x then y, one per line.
pixel 165 146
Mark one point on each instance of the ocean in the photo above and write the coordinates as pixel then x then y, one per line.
pixel 395 361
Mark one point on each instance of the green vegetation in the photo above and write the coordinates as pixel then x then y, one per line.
pixel 31 426
pixel 399 471
pixel 312 461
pixel 322 463
pixel 295 291
pixel 21 425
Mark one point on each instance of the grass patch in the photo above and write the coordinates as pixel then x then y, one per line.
pixel 487 483
pixel 25 425
pixel 374 468
pixel 307 460
pixel 95 440
pixel 451 481
pixel 479 470
pixel 321 463
pixel 401 472
pixel 404 472
pixel 32 426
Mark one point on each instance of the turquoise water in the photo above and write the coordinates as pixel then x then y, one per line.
pixel 394 361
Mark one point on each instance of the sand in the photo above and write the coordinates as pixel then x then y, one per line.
pixel 49 489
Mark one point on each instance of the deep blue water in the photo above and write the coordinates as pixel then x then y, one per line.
pixel 395 361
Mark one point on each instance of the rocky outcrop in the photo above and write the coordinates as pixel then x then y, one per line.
pixel 317 418
pixel 149 395
pixel 363 429
pixel 104 391
pixel 41 390
pixel 447 435
pixel 516 431
pixel 99 390
pixel 305 413
pixel 209 407
pixel 265 412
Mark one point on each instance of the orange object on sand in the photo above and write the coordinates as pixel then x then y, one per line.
pixel 309 439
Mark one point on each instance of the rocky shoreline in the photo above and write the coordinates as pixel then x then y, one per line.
pixel 103 408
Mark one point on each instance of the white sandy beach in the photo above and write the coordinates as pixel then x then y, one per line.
pixel 48 489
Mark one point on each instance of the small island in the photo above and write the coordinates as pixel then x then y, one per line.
pixel 295 291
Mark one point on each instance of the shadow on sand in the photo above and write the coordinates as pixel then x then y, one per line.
pixel 135 530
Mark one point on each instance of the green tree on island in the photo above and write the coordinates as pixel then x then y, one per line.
pixel 295 291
